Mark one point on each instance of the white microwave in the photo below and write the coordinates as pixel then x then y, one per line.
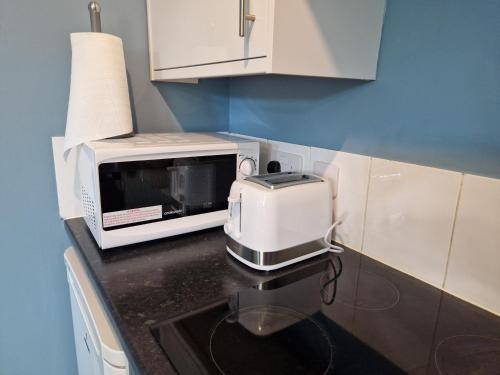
pixel 152 186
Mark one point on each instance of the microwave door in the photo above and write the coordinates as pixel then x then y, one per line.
pixel 173 177
pixel 176 197
pixel 193 186
pixel 143 187
pixel 137 192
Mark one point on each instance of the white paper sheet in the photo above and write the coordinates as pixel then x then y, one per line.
pixel 99 102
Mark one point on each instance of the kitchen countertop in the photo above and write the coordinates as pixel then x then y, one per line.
pixel 417 327
pixel 147 283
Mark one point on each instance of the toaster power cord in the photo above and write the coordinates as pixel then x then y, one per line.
pixel 331 247
pixel 328 289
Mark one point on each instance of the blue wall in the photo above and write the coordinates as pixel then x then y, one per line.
pixel 436 100
pixel 35 324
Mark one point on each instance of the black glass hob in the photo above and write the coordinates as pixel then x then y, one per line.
pixel 354 316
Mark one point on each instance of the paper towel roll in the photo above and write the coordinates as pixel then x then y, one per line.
pixel 99 103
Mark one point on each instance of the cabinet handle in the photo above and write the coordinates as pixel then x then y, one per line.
pixel 244 17
pixel 86 343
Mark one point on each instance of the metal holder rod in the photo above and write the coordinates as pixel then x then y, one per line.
pixel 95 17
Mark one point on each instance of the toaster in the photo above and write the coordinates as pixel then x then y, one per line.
pixel 278 219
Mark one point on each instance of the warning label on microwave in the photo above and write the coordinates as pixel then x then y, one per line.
pixel 134 215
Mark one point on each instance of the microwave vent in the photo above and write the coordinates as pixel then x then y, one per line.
pixel 88 208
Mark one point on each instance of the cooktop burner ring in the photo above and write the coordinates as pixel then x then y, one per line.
pixel 283 319
pixel 390 292
pixel 470 354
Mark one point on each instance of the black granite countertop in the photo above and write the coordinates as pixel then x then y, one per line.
pixel 417 328
pixel 147 283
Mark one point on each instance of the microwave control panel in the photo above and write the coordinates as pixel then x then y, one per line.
pixel 248 159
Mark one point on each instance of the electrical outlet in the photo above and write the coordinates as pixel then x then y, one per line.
pixel 292 158
pixel 289 162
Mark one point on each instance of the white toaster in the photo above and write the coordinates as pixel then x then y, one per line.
pixel 278 219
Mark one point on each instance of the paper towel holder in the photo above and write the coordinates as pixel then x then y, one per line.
pixel 95 27
pixel 95 16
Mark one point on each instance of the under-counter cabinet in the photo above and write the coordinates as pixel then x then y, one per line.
pixel 215 38
pixel 98 350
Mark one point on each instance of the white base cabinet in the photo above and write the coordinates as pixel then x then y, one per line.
pixel 192 39
pixel 98 350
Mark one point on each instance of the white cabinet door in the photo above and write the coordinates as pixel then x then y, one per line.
pixel 112 370
pixel 86 353
pixel 192 32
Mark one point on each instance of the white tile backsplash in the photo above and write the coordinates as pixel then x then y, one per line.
pixel 349 176
pixel 403 215
pixel 410 216
pixel 474 265
pixel 329 171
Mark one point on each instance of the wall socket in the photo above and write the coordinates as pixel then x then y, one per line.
pixel 289 162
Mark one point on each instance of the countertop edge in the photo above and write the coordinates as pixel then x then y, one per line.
pixel 134 366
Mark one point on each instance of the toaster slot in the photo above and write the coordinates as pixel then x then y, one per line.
pixel 283 179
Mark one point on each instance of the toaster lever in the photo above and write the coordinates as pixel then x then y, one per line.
pixel 234 219
pixel 233 200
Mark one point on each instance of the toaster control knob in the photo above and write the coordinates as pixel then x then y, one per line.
pixel 247 167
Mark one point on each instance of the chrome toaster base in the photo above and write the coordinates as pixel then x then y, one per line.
pixel 271 260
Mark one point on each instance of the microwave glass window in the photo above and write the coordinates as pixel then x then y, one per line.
pixel 139 192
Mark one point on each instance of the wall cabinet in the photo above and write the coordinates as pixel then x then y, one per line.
pixel 215 38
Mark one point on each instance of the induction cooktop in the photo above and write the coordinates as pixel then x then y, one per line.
pixel 354 316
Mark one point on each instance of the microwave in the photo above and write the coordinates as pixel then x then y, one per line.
pixel 152 186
